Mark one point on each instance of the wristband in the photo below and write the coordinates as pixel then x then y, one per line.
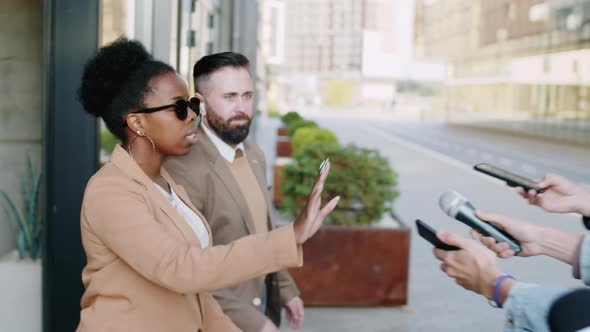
pixel 497 286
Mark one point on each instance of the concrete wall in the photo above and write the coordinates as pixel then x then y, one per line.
pixel 20 92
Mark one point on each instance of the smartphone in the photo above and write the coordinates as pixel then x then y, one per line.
pixel 429 234
pixel 322 165
pixel 511 179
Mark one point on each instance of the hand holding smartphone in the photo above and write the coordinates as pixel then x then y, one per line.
pixel 429 234
pixel 511 179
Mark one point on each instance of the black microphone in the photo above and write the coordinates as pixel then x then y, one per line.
pixel 458 207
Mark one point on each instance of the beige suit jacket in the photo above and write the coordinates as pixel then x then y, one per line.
pixel 215 192
pixel 146 270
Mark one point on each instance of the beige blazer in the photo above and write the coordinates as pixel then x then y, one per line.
pixel 146 270
pixel 213 189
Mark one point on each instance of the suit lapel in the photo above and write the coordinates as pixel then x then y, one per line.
pixel 121 158
pixel 221 169
pixel 170 211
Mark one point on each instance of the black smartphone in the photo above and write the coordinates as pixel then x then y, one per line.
pixel 429 234
pixel 511 179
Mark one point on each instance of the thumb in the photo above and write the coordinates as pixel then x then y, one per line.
pixel 493 218
pixel 452 239
pixel 550 180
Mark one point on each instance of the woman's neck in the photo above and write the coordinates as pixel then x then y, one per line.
pixel 149 159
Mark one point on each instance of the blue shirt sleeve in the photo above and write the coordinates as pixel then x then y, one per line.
pixel 527 307
pixel 585 260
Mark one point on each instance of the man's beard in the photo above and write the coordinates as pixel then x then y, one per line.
pixel 231 135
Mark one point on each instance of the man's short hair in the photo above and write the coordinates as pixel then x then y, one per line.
pixel 213 62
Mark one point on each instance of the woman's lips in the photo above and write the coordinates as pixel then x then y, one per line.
pixel 192 137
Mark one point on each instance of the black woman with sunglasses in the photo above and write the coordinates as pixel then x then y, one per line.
pixel 150 261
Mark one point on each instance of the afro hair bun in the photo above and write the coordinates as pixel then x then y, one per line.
pixel 107 71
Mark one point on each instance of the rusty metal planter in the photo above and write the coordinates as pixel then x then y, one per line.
pixel 284 147
pixel 355 266
pixel 282 131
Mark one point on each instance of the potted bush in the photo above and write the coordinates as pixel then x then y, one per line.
pixel 303 136
pixel 20 270
pixel 301 123
pixel 286 119
pixel 363 240
pixel 285 144
pixel 310 135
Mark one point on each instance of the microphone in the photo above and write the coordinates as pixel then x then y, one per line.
pixel 458 207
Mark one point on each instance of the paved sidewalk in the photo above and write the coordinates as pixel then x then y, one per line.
pixel 435 302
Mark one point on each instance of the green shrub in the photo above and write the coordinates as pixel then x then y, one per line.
pixel 306 136
pixel 362 178
pixel 301 123
pixel 28 220
pixel 108 141
pixel 290 117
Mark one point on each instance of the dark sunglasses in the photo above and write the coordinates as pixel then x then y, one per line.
pixel 180 108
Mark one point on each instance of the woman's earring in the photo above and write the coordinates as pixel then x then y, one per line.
pixel 139 134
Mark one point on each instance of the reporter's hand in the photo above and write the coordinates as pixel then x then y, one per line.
pixel 473 266
pixel 295 312
pixel 269 327
pixel 529 235
pixel 311 217
pixel 560 196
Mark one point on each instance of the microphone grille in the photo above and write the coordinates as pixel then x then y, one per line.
pixel 450 202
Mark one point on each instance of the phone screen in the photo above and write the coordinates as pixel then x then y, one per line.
pixel 429 234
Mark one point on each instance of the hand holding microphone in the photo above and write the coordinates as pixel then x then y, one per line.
pixel 458 207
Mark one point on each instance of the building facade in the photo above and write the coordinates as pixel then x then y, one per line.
pixel 511 60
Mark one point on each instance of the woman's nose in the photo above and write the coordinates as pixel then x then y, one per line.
pixel 192 115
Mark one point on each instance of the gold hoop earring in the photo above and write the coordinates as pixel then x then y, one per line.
pixel 133 140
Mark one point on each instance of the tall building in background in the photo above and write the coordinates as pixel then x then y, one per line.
pixel 324 36
pixel 360 46
pixel 510 59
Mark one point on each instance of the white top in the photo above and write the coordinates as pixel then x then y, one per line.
pixel 189 215
pixel 227 151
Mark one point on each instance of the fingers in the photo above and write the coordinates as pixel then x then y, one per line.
pixel 295 313
pixel 475 235
pixel 314 199
pixel 440 254
pixel 496 219
pixel 501 249
pixel 289 317
pixel 323 174
pixel 551 180
pixel 319 219
pixel 488 241
pixel 299 316
pixel 452 239
pixel 507 254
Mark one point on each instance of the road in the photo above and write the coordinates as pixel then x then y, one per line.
pixel 530 157
pixel 427 168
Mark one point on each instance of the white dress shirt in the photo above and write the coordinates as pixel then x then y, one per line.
pixel 191 217
pixel 227 151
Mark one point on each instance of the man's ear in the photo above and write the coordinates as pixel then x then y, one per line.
pixel 202 107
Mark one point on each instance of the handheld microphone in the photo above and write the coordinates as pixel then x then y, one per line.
pixel 458 207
